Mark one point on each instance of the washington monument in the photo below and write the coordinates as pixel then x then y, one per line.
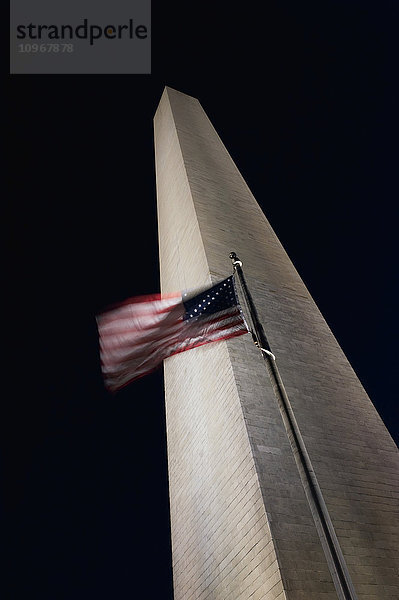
pixel 263 505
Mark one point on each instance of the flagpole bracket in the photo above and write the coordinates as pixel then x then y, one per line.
pixel 268 353
pixel 262 349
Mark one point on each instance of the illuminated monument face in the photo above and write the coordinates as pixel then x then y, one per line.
pixel 242 525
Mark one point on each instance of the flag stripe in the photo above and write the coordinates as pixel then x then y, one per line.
pixel 112 358
pixel 173 345
pixel 141 310
pixel 134 367
pixel 114 350
pixel 135 335
pixel 117 379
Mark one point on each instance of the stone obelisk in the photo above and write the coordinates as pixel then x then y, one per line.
pixel 242 525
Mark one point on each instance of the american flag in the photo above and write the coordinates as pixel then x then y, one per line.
pixel 138 334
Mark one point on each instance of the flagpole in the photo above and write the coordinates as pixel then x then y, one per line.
pixel 324 526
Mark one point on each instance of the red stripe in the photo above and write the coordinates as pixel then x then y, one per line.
pixel 153 367
pixel 142 339
pixel 229 329
pixel 167 349
pixel 159 331
pixel 165 337
pixel 233 334
pixel 133 333
pixel 159 324
pixel 131 311
pixel 140 299
pixel 104 324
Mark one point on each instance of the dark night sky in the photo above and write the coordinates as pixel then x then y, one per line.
pixel 304 97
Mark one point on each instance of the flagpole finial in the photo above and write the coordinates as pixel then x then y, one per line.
pixel 235 260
